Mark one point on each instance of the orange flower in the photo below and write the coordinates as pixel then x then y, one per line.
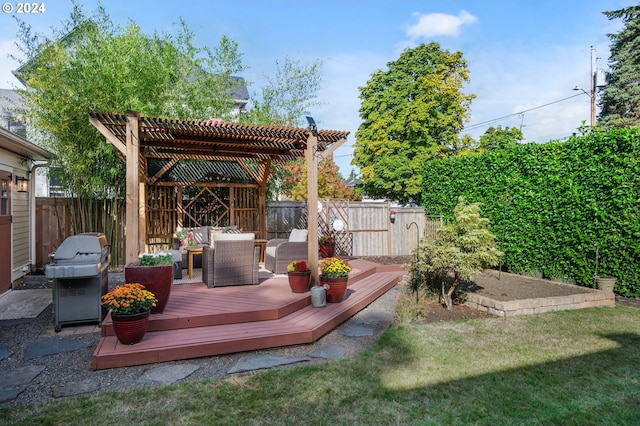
pixel 129 298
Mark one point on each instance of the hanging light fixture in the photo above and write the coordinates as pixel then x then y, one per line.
pixel 22 184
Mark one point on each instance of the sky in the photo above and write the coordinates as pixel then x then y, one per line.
pixel 524 56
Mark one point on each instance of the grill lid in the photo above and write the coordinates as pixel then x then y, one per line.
pixel 90 243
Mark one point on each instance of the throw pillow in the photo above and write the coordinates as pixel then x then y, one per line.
pixel 298 236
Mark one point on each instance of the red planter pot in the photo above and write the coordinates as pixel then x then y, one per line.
pixel 337 288
pixel 327 249
pixel 130 329
pixel 299 281
pixel 157 279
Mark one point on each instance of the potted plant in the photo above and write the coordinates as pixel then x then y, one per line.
pixel 299 275
pixel 334 272
pixel 603 282
pixel 327 246
pixel 155 272
pixel 606 283
pixel 130 305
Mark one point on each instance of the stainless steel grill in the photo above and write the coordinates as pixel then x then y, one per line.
pixel 79 270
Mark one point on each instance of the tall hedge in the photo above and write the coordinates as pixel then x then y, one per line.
pixel 552 205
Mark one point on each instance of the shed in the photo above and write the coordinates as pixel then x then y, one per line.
pixel 18 160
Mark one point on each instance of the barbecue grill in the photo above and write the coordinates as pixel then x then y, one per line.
pixel 79 270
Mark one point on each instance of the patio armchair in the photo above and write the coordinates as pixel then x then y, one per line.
pixel 233 260
pixel 279 252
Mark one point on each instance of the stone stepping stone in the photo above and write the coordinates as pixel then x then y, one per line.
pixel 168 374
pixel 14 382
pixel 355 331
pixel 5 353
pixel 329 352
pixel 258 362
pixel 76 388
pixel 52 345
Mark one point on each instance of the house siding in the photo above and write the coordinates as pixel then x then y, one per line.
pixel 21 217
pixel 21 221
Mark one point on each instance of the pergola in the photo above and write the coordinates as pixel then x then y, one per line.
pixel 256 149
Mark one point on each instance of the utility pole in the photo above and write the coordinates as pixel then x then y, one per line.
pixel 592 93
pixel 593 86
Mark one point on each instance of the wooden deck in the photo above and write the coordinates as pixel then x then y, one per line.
pixel 199 321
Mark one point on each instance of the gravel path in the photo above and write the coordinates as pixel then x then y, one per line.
pixel 30 377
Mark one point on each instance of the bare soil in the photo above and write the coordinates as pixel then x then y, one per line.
pixel 498 286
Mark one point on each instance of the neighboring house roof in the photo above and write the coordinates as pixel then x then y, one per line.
pixel 239 92
pixel 10 100
pixel 19 145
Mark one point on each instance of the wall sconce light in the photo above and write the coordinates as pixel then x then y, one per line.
pixel 392 216
pixel 22 184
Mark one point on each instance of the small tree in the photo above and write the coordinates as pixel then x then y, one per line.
pixel 465 248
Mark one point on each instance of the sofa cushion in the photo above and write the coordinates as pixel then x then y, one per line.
pixel 212 232
pixel 234 237
pixel 271 251
pixel 298 236
pixel 201 235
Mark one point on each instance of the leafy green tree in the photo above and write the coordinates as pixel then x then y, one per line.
pixel 499 138
pixel 465 248
pixel 287 96
pixel 620 99
pixel 411 113
pixel 330 183
pixel 283 101
pixel 90 63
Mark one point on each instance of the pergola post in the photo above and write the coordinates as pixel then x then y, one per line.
pixel 133 199
pixel 312 206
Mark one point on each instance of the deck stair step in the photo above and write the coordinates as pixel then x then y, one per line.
pixel 305 324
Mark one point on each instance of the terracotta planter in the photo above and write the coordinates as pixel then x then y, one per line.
pixel 337 288
pixel 130 329
pixel 299 281
pixel 157 279
pixel 327 249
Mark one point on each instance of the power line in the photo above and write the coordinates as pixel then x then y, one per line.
pixel 484 123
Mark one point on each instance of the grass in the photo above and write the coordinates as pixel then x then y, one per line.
pixel 565 368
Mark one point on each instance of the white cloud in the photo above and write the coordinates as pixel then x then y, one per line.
pixel 438 24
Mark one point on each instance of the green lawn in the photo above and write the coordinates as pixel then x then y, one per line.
pixel 565 368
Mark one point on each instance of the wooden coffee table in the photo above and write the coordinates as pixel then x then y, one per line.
pixel 263 246
pixel 192 251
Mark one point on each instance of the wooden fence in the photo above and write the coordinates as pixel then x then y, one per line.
pixel 369 230
pixel 54 225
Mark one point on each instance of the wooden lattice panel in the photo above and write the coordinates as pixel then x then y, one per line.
pixel 334 210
